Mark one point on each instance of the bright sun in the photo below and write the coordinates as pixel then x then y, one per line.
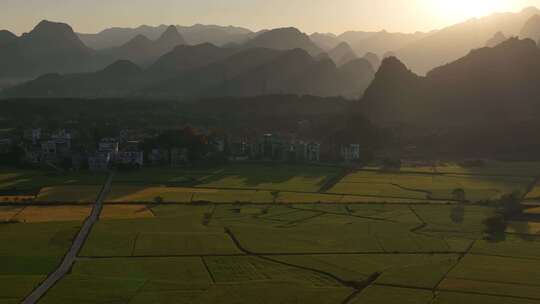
pixel 463 9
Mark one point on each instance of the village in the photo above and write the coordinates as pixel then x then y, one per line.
pixel 66 149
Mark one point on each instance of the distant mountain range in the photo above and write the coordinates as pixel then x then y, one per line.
pixel 169 50
pixel 196 34
pixel 191 72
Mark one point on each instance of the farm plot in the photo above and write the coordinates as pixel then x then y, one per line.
pixel 387 295
pixel 165 176
pixel 429 186
pixel 29 252
pixel 494 275
pixel 512 246
pixel 272 177
pixel 193 280
pixel 489 167
pixel 183 234
pixel 410 270
pixel 456 297
pixel 335 234
pixel 33 180
pixel 37 214
pixel 68 194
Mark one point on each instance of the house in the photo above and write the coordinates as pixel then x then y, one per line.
pixel 5 145
pixel 48 150
pixel 108 145
pixel 135 158
pixel 33 135
pixel 350 152
pixel 158 156
pixel 99 161
pixel 313 152
pixel 179 157
pixel 62 137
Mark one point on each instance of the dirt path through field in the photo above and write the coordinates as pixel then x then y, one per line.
pixel 71 256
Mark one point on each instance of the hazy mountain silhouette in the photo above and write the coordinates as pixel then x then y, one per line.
pixel 488 86
pixel 196 34
pixel 326 41
pixel 453 42
pixel 49 47
pixel 116 80
pixel 144 51
pixel 185 57
pixel 378 42
pixel 284 39
pixel 373 59
pixel 531 29
pixel 342 54
pixel 497 39
pixel 190 72
pixel 7 37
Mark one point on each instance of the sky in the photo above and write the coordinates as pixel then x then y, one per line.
pixel 336 16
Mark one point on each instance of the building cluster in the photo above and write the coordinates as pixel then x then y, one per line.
pixel 65 148
pixel 283 148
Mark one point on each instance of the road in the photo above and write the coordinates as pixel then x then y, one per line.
pixel 71 256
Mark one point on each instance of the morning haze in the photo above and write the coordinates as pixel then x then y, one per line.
pixel 273 152
pixel 309 15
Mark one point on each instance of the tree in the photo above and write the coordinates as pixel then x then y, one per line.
pixel 457 215
pixel 459 194
pixel 510 205
pixel 158 200
pixel 495 226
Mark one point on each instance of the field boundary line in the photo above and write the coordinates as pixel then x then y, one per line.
pixel 71 256
pixel 445 276
pixel 208 269
pixel 331 182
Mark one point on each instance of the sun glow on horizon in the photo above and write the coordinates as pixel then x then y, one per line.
pixel 455 10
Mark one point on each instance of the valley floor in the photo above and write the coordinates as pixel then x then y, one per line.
pixel 280 234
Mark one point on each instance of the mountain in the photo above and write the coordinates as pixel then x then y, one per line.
pixel 185 57
pixel 342 54
pixel 378 42
pixel 116 80
pixel 222 72
pixel 284 39
pixel 326 41
pixel 497 39
pixel 144 51
pixel 7 37
pixel 215 34
pixel 49 47
pixel 454 42
pixel 490 86
pixel 196 34
pixel 531 29
pixel 373 59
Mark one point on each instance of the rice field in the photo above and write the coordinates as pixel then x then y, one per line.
pixel 233 233
pixel 420 186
